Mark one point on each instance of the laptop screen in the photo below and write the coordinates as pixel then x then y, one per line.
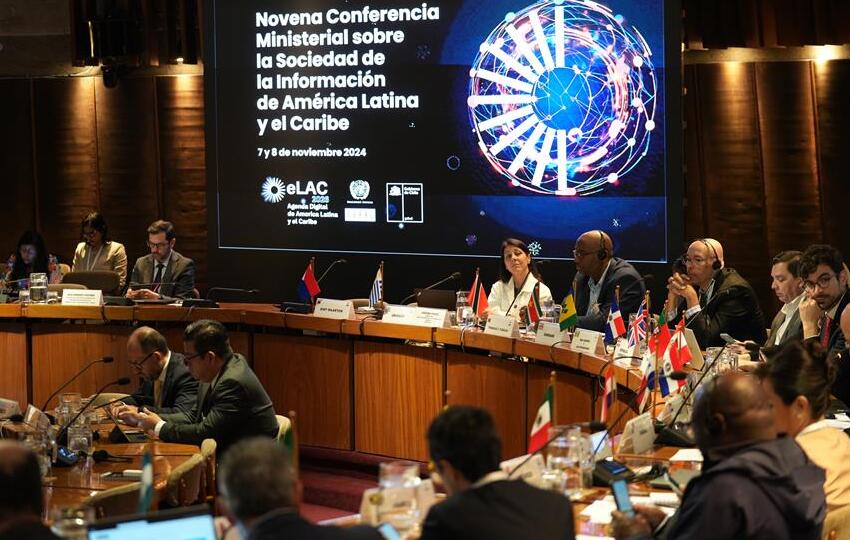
pixel 191 524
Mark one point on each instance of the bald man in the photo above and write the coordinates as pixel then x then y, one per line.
pixel 753 485
pixel 21 501
pixel 713 299
pixel 598 273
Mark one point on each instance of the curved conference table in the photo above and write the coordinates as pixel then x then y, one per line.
pixel 361 385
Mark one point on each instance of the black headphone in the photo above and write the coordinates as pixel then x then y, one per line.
pixel 716 265
pixel 602 254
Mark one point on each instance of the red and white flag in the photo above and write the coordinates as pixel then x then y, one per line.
pixel 542 423
pixel 610 392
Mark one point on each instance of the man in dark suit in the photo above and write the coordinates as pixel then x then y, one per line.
pixel 597 277
pixel 167 386
pixel 232 403
pixel 175 272
pixel 257 489
pixel 483 503
pixel 21 500
pixel 788 286
pixel 713 299
pixel 825 280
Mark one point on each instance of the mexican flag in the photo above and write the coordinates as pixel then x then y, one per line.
pixel 542 423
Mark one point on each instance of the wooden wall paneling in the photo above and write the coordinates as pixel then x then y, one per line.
pixel 832 80
pixel 15 381
pixel 312 377
pixel 180 116
pixel 60 350
pixel 398 390
pixel 789 159
pixel 573 395
pixel 127 162
pixel 694 216
pixel 729 135
pixel 496 385
pixel 66 154
pixel 240 341
pixel 16 164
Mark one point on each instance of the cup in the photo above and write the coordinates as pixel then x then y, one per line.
pixel 38 288
pixel 80 439
pixel 568 455
pixel 463 311
pixel 71 523
pixel 24 296
pixel 398 482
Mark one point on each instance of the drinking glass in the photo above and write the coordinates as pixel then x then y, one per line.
pixel 38 288
pixel 399 480
pixel 71 523
pixel 80 438
pixel 24 296
pixel 566 456
pixel 463 311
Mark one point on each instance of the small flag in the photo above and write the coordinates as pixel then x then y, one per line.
pixel 308 288
pixel 647 380
pixel 569 315
pixel 477 298
pixel 609 393
pixel 377 293
pixel 637 331
pixel 542 423
pixel 616 327
pixel 146 489
pixel 675 356
pixel 534 309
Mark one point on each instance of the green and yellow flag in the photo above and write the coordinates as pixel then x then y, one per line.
pixel 569 316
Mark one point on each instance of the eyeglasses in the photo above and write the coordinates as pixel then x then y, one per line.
pixel 822 282
pixel 192 357
pixel 158 245
pixel 89 233
pixel 138 365
pixel 694 260
pixel 577 253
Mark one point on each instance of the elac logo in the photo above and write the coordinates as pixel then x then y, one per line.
pixel 359 189
pixel 272 190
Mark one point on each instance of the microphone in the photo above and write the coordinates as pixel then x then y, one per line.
pixel 643 279
pixel 123 381
pixel 104 360
pixel 149 285
pixel 454 276
pixel 593 426
pixel 702 310
pixel 103 455
pixel 328 269
pixel 229 289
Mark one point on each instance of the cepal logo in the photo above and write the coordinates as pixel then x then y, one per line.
pixel 359 189
pixel 272 190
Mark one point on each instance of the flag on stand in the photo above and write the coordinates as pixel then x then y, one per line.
pixel 534 308
pixel 610 392
pixel 675 356
pixel 616 327
pixel 647 380
pixel 569 315
pixel 477 298
pixel 377 293
pixel 308 288
pixel 637 331
pixel 542 423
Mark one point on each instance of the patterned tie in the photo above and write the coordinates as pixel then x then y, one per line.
pixel 826 330
pixel 157 279
pixel 157 393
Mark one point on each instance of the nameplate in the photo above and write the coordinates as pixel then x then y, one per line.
pixel 334 309
pixel 697 360
pixel 625 355
pixel 638 436
pixel 549 333
pixel 82 297
pixel 502 325
pixel 417 316
pixel 531 471
pixel 588 341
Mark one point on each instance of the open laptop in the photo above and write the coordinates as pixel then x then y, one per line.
pixel 193 523
pixel 437 298
pixel 118 435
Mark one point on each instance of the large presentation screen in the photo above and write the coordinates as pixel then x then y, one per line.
pixel 438 127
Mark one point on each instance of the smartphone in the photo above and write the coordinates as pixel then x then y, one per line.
pixel 621 497
pixel 389 532
pixel 727 338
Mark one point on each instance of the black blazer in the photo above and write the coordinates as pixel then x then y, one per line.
pixel 179 390
pixel 502 510
pixel 290 525
pixel 732 309
pixel 837 344
pixel 180 273
pixel 237 407
pixel 632 289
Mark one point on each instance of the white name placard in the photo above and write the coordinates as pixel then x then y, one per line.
pixel 417 316
pixel 531 471
pixel 82 297
pixel 549 333
pixel 502 325
pixel 334 309
pixel 587 341
pixel 625 355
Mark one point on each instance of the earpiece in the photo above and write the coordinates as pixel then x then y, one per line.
pixel 716 265
pixel 602 254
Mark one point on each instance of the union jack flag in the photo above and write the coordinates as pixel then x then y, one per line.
pixel 637 332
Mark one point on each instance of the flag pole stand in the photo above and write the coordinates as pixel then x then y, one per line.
pixel 552 380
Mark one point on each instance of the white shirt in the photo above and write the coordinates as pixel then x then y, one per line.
pixel 787 310
pixel 502 296
pixel 489 478
pixel 596 287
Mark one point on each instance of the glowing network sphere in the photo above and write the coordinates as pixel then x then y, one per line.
pixel 562 97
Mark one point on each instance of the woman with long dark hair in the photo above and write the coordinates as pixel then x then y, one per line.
pixel 31 257
pixel 519 275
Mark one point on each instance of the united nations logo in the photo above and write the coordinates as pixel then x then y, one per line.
pixel 359 189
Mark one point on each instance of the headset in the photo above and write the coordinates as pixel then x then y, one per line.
pixel 716 265
pixel 602 254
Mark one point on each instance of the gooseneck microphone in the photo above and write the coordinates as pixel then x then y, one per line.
pixel 229 289
pixel 104 360
pixel 593 426
pixel 123 381
pixel 453 276
pixel 328 269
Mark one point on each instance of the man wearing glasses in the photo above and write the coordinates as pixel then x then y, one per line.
pixel 164 272
pixel 167 386
pixel 713 299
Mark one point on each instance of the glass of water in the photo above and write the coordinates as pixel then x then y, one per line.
pixel 71 523
pixel 566 457
pixel 463 311
pixel 80 438
pixel 38 288
pixel 398 481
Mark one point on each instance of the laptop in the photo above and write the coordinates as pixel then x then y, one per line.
pixel 192 523
pixel 118 435
pixel 437 298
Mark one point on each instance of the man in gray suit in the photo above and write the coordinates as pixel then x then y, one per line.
pixel 788 286
pixel 167 386
pixel 164 272
pixel 232 403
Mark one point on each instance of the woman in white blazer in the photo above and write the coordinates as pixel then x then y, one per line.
pixel 510 295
